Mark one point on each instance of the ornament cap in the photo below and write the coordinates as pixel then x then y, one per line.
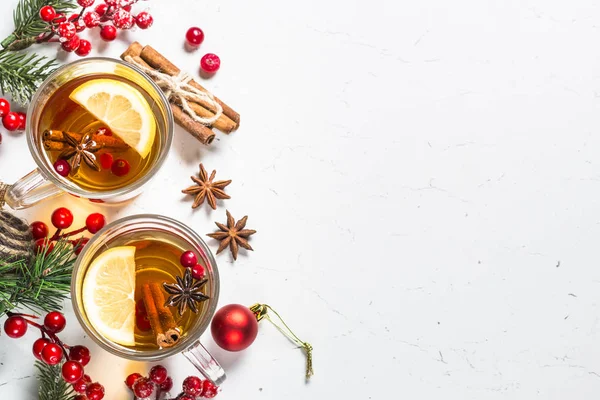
pixel 259 311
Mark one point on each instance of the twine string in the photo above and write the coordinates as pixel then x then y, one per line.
pixel 178 89
pixel 263 311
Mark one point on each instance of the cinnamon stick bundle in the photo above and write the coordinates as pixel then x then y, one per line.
pixel 160 317
pixel 227 122
pixel 55 140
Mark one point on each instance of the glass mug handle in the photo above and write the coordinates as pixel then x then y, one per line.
pixel 30 190
pixel 205 363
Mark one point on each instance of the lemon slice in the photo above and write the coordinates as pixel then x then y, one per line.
pixel 122 107
pixel 108 294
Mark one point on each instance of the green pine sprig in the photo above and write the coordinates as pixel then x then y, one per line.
pixel 52 386
pixel 21 74
pixel 39 285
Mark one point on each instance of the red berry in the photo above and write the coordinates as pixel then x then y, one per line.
pixel 82 384
pixel 91 19
pixel 59 18
pixel 120 167
pixel 81 397
pixel 141 317
pixel 72 371
pixel 11 121
pixel 143 388
pixel 80 244
pixel 108 33
pixel 209 389
pixel 81 354
pixel 192 385
pixel 188 259
pixel 94 222
pixel 66 30
pixel 101 9
pixel 39 230
pixel 123 19
pixel 62 218
pixel 198 271
pixel 42 244
pixel 85 3
pixel 62 168
pixel 210 63
pixel 131 379
pixel 186 397
pixel 85 47
pixel 72 44
pixel 111 2
pixel 55 322
pixel 106 160
pixel 15 326
pixel 52 354
pixel 95 391
pixel 167 384
pixel 38 346
pixel 144 20
pixel 4 107
pixel 104 131
pixel 47 13
pixel 127 7
pixel 158 374
pixel 79 24
pixel 22 120
pixel 194 36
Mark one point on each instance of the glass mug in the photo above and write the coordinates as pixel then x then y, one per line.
pixel 44 182
pixel 155 228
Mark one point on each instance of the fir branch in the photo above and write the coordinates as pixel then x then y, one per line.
pixel 21 74
pixel 52 386
pixel 27 19
pixel 41 286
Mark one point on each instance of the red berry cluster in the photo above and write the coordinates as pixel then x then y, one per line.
pixel 189 260
pixel 209 63
pixel 158 379
pixel 62 218
pixel 109 16
pixel 51 350
pixel 12 121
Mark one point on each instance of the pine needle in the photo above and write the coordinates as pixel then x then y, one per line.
pixel 41 286
pixel 52 386
pixel 27 20
pixel 21 74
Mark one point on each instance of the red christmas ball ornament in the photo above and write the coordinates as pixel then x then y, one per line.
pixel 234 327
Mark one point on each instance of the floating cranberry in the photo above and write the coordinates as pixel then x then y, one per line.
pixel 106 160
pixel 198 271
pixel 94 222
pixel 131 379
pixel 62 168
pixel 81 354
pixel 120 167
pixel 85 47
pixel 52 354
pixel 15 326
pixel 39 230
pixel 104 131
pixel 188 259
pixel 55 322
pixel 72 371
pixel 38 346
pixel 108 33
pixel 11 121
pixel 4 107
pixel 194 36
pixel 210 63
pixel 47 13
pixel 141 317
pixel 62 218
pixel 144 20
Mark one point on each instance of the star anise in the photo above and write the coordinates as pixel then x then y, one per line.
pixel 185 293
pixel 233 235
pixel 206 188
pixel 81 151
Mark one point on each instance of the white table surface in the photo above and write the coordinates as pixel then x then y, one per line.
pixel 424 180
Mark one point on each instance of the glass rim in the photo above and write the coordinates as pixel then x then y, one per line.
pixel 76 190
pixel 151 355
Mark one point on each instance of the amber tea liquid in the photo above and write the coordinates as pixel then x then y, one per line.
pixel 63 114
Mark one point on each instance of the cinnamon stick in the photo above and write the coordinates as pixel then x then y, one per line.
pixel 160 317
pixel 160 62
pixel 55 140
pixel 203 133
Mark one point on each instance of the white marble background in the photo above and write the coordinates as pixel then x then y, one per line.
pixel 424 180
